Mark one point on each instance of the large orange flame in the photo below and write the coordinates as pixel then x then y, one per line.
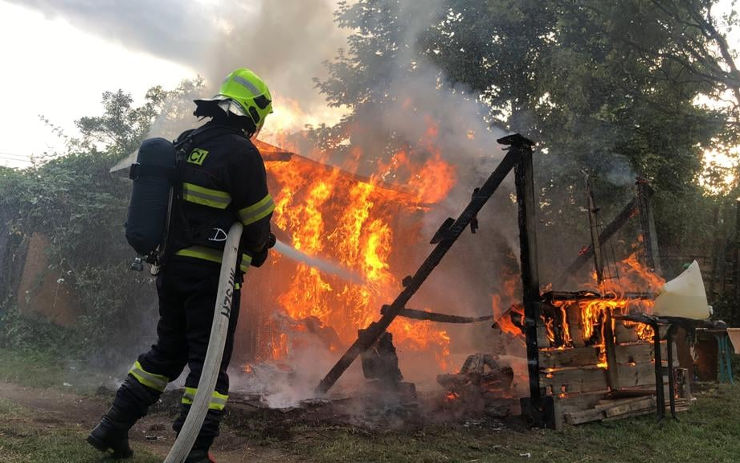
pixel 352 221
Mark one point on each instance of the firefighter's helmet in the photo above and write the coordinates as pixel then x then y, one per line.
pixel 243 93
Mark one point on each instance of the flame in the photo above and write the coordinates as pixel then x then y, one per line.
pixel 451 396
pixel 583 320
pixel 506 322
pixel 353 221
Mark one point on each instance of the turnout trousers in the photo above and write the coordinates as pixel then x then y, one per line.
pixel 187 290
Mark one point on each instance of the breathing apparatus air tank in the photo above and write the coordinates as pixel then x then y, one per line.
pixel 153 175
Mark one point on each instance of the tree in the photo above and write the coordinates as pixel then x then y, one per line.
pixel 602 86
pixel 75 201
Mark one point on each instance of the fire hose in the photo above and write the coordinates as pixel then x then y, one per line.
pixel 207 383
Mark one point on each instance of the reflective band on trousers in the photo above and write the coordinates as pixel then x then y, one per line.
pixel 212 255
pixel 152 380
pixel 217 402
pixel 257 211
pixel 205 196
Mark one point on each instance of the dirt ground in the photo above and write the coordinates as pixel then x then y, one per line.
pixel 53 409
pixel 41 425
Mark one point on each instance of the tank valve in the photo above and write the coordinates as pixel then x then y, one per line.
pixel 137 265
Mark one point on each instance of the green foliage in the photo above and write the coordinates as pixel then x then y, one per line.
pixel 81 208
pixel 601 86
pixel 31 333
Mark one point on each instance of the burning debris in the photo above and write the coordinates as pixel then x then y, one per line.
pixel 582 348
pixel 479 386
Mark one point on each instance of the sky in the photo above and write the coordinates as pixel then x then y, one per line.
pixel 59 56
pixel 54 69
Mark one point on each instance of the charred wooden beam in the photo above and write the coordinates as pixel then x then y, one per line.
pixel 629 210
pixel 552 296
pixel 538 408
pixel 594 228
pixel 647 223
pixel 437 317
pixel 277 156
pixel 518 146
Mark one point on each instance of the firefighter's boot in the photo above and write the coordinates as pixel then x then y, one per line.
pixel 208 432
pixel 112 433
pixel 199 456
pixel 131 403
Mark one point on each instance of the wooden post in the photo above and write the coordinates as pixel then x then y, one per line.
pixel 444 239
pixel 612 369
pixel 593 226
pixel 629 210
pixel 715 254
pixel 647 223
pixel 530 275
pixel 612 375
pixel 736 280
pixel 537 408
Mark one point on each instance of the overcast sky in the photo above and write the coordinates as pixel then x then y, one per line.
pixel 59 56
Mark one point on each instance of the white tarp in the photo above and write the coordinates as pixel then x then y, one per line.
pixel 684 296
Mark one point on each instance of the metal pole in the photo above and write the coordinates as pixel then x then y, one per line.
pixel 733 310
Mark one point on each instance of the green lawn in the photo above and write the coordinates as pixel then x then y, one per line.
pixel 30 436
pixel 708 432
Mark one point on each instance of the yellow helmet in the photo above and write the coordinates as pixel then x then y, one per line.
pixel 244 93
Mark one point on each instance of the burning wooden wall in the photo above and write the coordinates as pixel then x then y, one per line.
pixel 362 225
pixel 597 367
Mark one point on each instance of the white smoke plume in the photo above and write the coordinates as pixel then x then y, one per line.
pixel 284 42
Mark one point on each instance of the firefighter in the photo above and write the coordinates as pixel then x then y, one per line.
pixel 222 180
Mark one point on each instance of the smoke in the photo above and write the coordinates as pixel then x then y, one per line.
pixel 619 172
pixel 421 108
pixel 284 42
pixel 287 382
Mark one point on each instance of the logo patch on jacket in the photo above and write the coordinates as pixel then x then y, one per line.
pixel 197 156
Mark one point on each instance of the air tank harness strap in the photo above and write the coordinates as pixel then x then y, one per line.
pixel 138 170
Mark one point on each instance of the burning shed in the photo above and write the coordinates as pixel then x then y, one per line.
pixel 344 244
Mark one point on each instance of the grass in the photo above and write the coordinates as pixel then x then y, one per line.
pixel 27 436
pixel 709 431
pixel 55 446
pixel 45 369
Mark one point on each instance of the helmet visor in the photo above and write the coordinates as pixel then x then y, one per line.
pixel 225 103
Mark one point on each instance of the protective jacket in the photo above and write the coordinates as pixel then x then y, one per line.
pixel 223 180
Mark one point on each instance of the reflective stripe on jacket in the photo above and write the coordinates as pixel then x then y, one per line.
pixel 223 180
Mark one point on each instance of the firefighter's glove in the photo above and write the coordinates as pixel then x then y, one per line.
pixel 260 257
